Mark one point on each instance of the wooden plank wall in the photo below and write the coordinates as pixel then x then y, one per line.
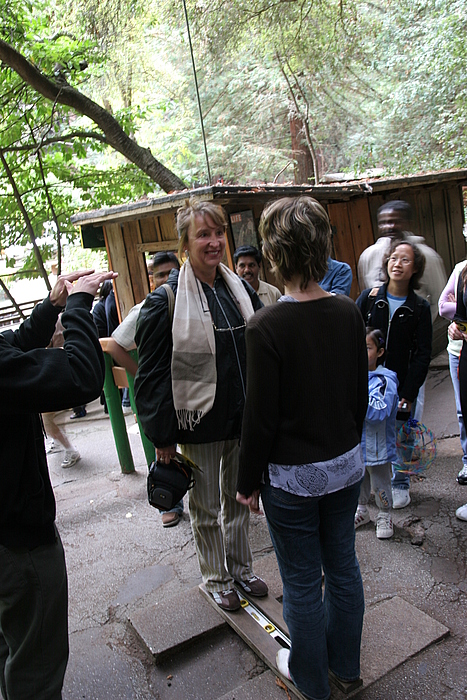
pixel 150 230
pixel 438 217
pixel 168 228
pixel 160 229
pixel 342 239
pixel 353 233
pixel 133 282
pixel 136 261
pixel 119 263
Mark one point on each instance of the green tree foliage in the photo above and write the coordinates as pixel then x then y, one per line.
pixel 305 56
pixel 54 159
pixel 379 83
pixel 420 66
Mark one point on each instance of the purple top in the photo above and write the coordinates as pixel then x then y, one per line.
pixel 447 308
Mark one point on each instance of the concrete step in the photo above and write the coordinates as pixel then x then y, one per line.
pixel 169 626
pixel 392 625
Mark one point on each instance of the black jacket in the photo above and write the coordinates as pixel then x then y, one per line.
pixel 105 315
pixel 33 380
pixel 408 337
pixel 153 381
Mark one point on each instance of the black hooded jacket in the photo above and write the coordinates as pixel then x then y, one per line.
pixel 33 380
pixel 408 336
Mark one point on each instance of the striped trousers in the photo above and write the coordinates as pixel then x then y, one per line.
pixel 223 549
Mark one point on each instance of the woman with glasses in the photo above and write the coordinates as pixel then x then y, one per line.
pixel 190 391
pixel 405 319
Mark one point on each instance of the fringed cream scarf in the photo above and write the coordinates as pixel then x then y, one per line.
pixel 194 372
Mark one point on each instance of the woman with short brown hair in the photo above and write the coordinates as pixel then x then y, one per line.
pixel 307 394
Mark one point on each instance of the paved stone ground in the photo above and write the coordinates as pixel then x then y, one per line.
pixel 121 562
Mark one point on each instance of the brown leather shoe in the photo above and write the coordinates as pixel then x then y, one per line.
pixel 228 600
pixel 345 686
pixel 170 519
pixel 253 586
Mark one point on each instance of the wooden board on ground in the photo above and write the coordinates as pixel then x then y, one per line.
pixel 254 635
pixel 410 631
pixel 271 608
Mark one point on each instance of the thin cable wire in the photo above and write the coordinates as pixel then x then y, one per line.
pixel 197 93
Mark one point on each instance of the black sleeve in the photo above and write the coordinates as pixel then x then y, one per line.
pixel 461 311
pixel 255 300
pixel 111 313
pixel 100 319
pixel 421 354
pixel 362 390
pixel 153 381
pixel 362 303
pixel 37 330
pixel 261 415
pixel 35 379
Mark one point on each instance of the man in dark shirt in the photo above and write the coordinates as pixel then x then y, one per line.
pixel 33 580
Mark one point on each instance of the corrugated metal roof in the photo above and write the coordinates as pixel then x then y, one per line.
pixel 335 191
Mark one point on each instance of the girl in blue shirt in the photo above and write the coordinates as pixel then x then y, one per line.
pixel 378 437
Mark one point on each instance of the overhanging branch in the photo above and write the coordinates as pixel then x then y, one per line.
pixel 57 139
pixel 116 137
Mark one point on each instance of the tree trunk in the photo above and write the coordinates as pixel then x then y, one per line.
pixel 297 115
pixel 304 171
pixel 27 220
pixel 12 299
pixel 66 95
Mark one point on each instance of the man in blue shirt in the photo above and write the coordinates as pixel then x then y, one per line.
pixel 338 278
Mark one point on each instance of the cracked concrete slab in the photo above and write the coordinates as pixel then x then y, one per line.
pixel 401 630
pixel 173 624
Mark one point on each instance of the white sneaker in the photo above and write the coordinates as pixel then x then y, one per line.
pixel 400 498
pixel 462 476
pixel 362 516
pixel 384 526
pixel 461 512
pixel 53 447
pixel 70 459
pixel 282 662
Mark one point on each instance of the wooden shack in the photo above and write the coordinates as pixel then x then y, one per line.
pixel 132 231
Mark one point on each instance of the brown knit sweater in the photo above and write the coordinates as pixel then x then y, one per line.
pixel 307 385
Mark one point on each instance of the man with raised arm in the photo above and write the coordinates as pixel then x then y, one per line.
pixel 33 579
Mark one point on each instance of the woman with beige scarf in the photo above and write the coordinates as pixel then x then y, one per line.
pixel 190 391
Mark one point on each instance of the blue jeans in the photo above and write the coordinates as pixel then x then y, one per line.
pixel 310 535
pixel 453 368
pixel 126 397
pixel 401 480
pixel 178 508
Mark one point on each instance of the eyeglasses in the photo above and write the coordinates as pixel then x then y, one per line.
pixel 229 328
pixel 403 261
